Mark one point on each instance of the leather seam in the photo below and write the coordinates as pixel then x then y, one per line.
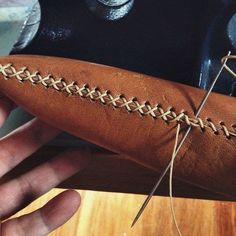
pixel 105 97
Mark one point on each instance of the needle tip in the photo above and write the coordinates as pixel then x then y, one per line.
pixel 134 221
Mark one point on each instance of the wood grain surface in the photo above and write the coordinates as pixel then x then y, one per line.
pixel 111 214
pixel 105 213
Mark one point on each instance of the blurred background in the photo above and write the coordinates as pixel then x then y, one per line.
pixel 13 14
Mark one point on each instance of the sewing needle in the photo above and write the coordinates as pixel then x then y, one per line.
pixel 145 203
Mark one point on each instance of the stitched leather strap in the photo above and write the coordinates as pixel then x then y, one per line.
pixel 129 113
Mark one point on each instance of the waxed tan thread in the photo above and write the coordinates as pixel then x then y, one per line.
pixel 131 105
pixel 230 57
pixel 171 179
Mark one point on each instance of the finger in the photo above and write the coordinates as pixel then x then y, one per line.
pixel 6 106
pixel 18 193
pixel 43 221
pixel 22 142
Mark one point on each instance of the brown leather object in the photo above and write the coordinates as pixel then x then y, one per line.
pixel 132 123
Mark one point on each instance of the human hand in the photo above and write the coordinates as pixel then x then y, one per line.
pixel 18 193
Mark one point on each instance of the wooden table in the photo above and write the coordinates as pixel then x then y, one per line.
pixel 111 213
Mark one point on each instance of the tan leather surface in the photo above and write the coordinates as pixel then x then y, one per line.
pixel 206 159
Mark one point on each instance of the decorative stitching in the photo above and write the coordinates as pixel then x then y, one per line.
pixel 105 97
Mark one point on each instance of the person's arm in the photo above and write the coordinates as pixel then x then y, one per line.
pixel 130 113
